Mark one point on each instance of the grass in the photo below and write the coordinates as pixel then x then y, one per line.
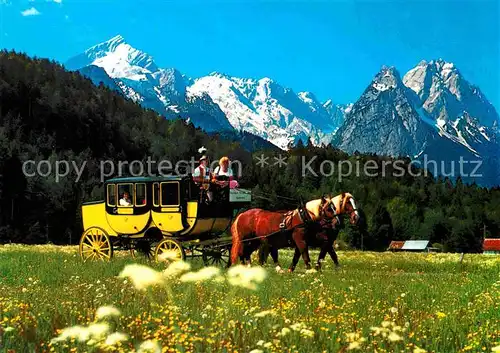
pixel 376 302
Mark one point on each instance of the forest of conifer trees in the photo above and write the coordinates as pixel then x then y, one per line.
pixel 47 113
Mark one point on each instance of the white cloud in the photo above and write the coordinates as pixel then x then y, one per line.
pixel 30 12
pixel 58 1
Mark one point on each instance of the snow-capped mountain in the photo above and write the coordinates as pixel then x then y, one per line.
pixel 118 58
pixel 384 120
pixel 267 109
pixel 458 109
pixel 433 110
pixel 418 116
pixel 138 77
pixel 214 102
pixel 446 94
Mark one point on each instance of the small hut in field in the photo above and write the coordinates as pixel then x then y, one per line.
pixel 409 245
pixel 491 246
pixel 395 245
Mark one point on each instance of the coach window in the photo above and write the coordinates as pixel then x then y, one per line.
pixel 111 190
pixel 170 194
pixel 140 195
pixel 156 194
pixel 126 195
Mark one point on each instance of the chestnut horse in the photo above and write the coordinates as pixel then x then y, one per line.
pixel 257 226
pixel 325 232
pixel 323 236
pixel 277 229
pixel 320 234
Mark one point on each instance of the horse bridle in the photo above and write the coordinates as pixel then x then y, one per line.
pixel 351 201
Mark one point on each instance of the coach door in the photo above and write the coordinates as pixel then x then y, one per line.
pixel 169 206
pixel 127 215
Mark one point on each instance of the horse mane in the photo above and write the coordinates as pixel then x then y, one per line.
pixel 314 207
pixel 343 197
pixel 339 201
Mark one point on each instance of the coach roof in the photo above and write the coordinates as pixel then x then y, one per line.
pixel 145 179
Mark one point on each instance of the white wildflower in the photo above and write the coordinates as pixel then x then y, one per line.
pixel 106 311
pixel 149 346
pixel 115 338
pixel 176 268
pixel 265 313
pixel 142 276
pixel 204 274
pixel 246 277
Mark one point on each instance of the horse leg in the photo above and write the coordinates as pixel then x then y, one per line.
pixel 299 238
pixel 250 249
pixel 295 260
pixel 237 248
pixel 306 258
pixel 301 245
pixel 263 253
pixel 333 255
pixel 274 254
pixel 321 256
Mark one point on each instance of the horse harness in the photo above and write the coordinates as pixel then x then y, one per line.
pixel 304 216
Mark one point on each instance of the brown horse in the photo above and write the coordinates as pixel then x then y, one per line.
pixel 324 233
pixel 320 234
pixel 323 236
pixel 278 230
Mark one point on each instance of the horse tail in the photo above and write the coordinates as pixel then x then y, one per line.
pixel 237 247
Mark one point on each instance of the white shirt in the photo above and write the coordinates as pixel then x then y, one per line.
pixel 206 173
pixel 124 202
pixel 219 171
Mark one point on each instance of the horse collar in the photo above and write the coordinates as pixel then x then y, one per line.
pixel 304 215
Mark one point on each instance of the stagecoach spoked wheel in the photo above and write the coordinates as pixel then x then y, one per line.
pixel 95 245
pixel 169 250
pixel 216 257
pixel 142 249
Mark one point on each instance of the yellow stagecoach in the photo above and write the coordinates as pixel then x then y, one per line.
pixel 160 217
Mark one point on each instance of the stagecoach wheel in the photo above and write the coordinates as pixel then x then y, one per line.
pixel 216 257
pixel 95 245
pixel 169 250
pixel 143 249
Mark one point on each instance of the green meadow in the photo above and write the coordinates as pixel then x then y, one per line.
pixel 50 301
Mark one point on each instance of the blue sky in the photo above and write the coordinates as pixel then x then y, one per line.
pixel 331 48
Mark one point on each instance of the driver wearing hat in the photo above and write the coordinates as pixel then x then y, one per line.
pixel 202 175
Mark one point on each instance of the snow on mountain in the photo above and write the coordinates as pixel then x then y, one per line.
pixel 217 101
pixel 432 110
pixel 134 73
pixel 118 58
pixel 447 95
pixel 383 120
pixel 459 110
pixel 392 118
pixel 267 109
pixel 97 75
